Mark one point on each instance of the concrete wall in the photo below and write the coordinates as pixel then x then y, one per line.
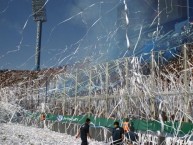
pixel 97 133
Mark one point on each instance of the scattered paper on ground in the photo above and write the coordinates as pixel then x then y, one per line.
pixel 15 134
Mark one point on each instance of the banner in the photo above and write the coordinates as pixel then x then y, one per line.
pixel 169 127
pixel 81 119
pixel 139 125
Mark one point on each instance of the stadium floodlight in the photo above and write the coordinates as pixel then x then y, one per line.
pixel 39 13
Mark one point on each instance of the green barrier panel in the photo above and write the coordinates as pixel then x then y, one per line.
pixel 186 127
pixel 66 118
pixel 33 115
pixel 144 125
pixel 51 117
pixel 103 122
pixel 176 127
pixel 81 119
pixel 139 125
pixel 169 127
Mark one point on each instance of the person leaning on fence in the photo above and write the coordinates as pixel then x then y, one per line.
pixel 84 132
pixel 117 134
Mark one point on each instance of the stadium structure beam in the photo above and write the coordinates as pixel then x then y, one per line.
pixel 64 96
pixel 186 83
pixel 153 82
pixel 76 88
pixel 106 86
pixel 126 82
pixel 90 84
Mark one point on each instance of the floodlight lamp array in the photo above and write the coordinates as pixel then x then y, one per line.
pixel 39 12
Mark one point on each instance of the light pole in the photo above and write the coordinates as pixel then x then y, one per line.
pixel 38 8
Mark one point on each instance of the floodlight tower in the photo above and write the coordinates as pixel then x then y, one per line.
pixel 38 8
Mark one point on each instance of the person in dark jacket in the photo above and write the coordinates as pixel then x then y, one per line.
pixel 117 134
pixel 84 132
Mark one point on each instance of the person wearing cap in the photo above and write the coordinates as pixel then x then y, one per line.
pixel 84 132
pixel 117 134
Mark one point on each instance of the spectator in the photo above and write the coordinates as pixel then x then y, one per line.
pixel 126 127
pixel 84 132
pixel 117 134
pixel 129 131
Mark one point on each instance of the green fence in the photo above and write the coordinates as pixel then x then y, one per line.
pixel 81 119
pixel 139 125
pixel 168 127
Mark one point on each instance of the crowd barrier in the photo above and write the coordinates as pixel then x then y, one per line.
pixel 138 124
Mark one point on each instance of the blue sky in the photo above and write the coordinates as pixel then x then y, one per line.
pixel 68 35
pixel 75 30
